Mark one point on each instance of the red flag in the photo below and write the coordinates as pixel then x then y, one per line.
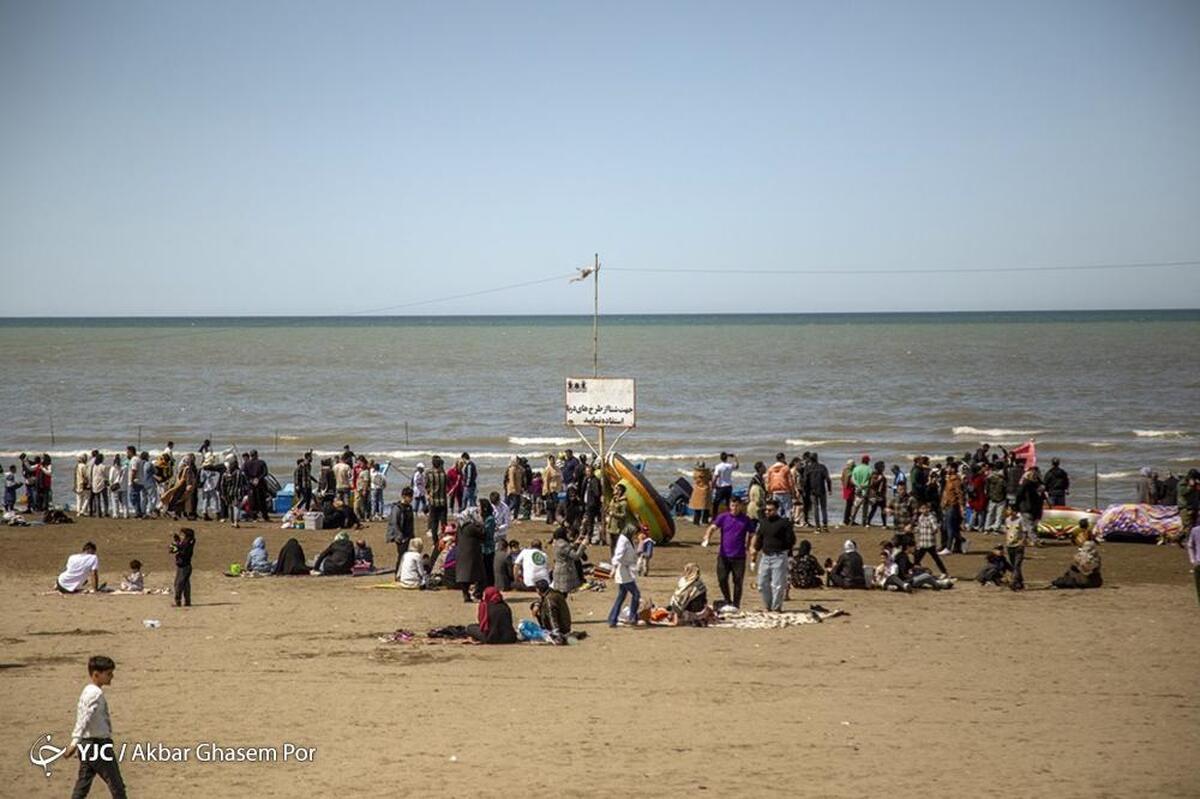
pixel 1027 452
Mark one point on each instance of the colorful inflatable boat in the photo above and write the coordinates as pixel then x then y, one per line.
pixel 1062 521
pixel 644 502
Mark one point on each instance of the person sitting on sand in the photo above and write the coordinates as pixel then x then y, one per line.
pixel 995 567
pixel 1085 569
pixel 848 571
pixel 257 559
pixel 364 558
pixel 80 567
pixel 494 624
pixel 887 573
pixel 689 602
pixel 291 560
pixel 805 570
pixel 551 609
pixel 134 582
pixel 340 516
pixel 530 566
pixel 411 573
pixel 915 576
pixel 337 558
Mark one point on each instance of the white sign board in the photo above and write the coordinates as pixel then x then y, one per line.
pixel 601 402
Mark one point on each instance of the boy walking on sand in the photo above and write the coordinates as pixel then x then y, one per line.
pixel 92 736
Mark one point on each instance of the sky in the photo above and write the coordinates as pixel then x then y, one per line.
pixel 229 158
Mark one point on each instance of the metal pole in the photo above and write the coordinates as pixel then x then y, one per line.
pixel 52 430
pixel 406 434
pixel 139 438
pixel 596 319
pixel 1095 486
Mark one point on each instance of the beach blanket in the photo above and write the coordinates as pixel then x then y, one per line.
pixel 761 620
pixel 1144 521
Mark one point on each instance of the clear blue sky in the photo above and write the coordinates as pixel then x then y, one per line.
pixel 297 158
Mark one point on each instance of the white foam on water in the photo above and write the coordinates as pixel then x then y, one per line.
pixel 530 441
pixel 804 442
pixel 1115 475
pixel 1102 444
pixel 1160 434
pixel 993 432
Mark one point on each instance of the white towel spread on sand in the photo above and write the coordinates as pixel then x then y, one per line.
pixel 762 620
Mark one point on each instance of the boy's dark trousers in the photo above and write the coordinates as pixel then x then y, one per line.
pixel 1016 556
pixel 183 584
pixel 108 770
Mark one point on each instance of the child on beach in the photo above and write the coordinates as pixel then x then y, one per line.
pixel 995 568
pixel 134 580
pixel 535 494
pixel 645 552
pixel 182 548
pixel 378 483
pixel 10 487
pixel 364 558
pixel 92 736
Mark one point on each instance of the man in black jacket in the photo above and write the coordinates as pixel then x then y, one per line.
pixel 256 474
pixel 818 485
pixel 1057 483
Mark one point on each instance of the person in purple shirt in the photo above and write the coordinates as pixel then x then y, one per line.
pixel 735 528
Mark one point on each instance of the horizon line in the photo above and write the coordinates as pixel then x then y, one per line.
pixel 942 312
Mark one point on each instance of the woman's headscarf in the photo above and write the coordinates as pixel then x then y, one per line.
pixel 1144 471
pixel 468 516
pixel 491 596
pixel 805 547
pixel 849 546
pixel 688 588
pixel 342 536
pixel 416 545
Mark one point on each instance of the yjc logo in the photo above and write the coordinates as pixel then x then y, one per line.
pixel 43 753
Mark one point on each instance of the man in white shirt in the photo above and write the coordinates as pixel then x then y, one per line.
pixel 533 564
pixel 80 567
pixel 92 736
pixel 723 481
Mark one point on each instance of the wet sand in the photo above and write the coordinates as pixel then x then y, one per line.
pixel 970 691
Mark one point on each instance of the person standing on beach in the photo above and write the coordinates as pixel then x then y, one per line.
pixel 734 528
pixel 514 484
pixel 233 489
pixel 780 485
pixel 134 471
pixel 996 488
pixel 773 542
pixel 1057 482
pixel 420 496
pixel 256 475
pixel 953 502
pixel 99 486
pixel 1016 539
pixel 343 476
pixel 401 525
pixel 435 492
pixel 1193 548
pixel 1187 500
pixel 817 486
pixel 860 476
pixel 83 491
pixel 182 548
pixel 926 537
pixel 624 562
pixel 847 485
pixel 1030 500
pixel 877 495
pixel 551 485
pixel 469 474
pixel 570 470
pixel 593 505
pixel 92 735
pixel 701 492
pixel 723 481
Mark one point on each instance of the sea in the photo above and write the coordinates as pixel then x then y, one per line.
pixel 1107 392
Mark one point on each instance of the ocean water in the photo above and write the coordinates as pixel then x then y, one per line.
pixel 1107 392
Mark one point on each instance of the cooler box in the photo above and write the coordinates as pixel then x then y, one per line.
pixel 284 499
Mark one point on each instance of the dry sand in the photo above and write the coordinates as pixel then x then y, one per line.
pixel 971 691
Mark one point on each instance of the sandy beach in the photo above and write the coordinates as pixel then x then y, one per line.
pixel 967 691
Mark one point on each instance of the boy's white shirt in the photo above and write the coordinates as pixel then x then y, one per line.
pixel 91 715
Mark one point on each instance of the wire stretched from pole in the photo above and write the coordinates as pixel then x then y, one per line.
pixel 903 271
